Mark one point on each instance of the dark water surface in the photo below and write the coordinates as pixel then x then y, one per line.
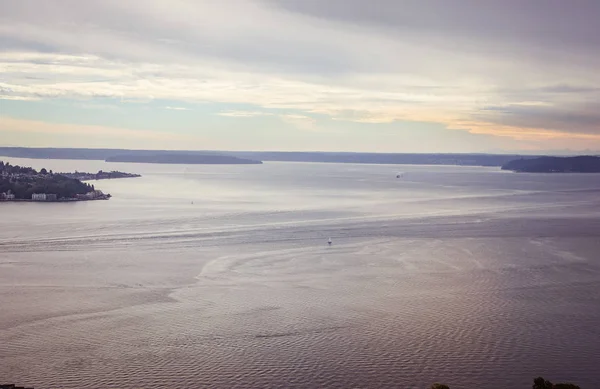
pixel 221 277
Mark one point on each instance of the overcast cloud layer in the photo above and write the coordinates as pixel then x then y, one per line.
pixel 506 74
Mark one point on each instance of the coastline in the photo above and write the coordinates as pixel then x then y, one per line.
pixel 107 197
pixel 25 184
pixel 104 179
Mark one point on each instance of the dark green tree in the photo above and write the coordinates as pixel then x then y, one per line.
pixel 541 383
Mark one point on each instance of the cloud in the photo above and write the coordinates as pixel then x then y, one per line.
pixel 244 114
pixel 177 108
pixel 28 127
pixel 525 70
pixel 513 26
pixel 580 120
pixel 301 122
pixel 17 98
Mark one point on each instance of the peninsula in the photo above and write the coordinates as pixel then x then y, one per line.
pixel 27 184
pixel 191 159
pixel 101 175
pixel 580 164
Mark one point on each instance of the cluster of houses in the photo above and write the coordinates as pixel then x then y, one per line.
pixel 93 195
pixel 7 196
pixel 20 176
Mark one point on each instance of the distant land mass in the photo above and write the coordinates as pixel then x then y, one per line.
pixel 256 156
pixel 19 183
pixel 81 176
pixel 385 158
pixel 581 164
pixel 187 159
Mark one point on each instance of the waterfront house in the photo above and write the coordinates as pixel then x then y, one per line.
pixel 7 195
pixel 39 197
pixel 51 197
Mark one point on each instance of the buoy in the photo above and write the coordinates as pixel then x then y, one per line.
pixel 329 242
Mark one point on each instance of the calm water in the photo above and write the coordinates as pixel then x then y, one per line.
pixel 221 277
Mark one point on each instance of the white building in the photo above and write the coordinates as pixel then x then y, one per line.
pixel 38 197
pixel 94 194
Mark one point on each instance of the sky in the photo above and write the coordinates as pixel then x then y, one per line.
pixel 301 75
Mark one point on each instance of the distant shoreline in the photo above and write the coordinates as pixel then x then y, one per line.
pixel 567 165
pixel 257 157
pixel 101 175
pixel 183 159
pixel 50 201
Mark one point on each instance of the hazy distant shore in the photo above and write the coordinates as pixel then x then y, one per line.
pixel 183 159
pixel 580 164
pixel 210 156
